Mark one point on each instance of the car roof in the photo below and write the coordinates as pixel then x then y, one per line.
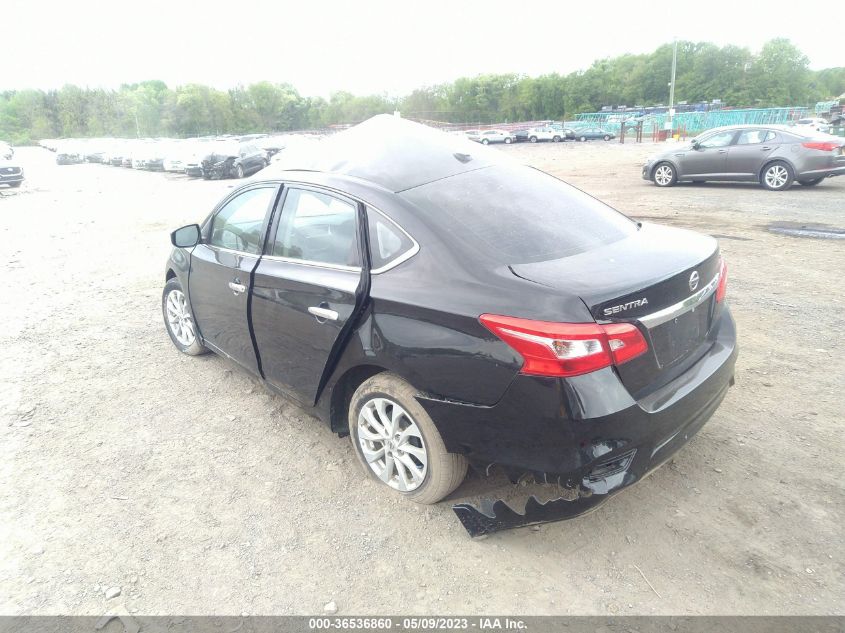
pixel 393 153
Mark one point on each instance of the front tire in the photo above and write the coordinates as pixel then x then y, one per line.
pixel 179 320
pixel 664 175
pixel 484 141
pixel 398 444
pixel 583 139
pixel 555 139
pixel 606 137
pixel 810 183
pixel 777 176
pixel 239 172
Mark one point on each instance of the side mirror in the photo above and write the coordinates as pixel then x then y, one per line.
pixel 186 237
pixel 696 145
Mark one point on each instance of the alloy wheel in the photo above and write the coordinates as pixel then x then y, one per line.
pixel 392 444
pixel 776 176
pixel 663 175
pixel 179 318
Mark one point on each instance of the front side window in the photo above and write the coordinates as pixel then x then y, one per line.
pixel 237 226
pixel 722 139
pixel 317 228
pixel 752 137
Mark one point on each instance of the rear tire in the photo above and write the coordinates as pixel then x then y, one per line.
pixel 810 183
pixel 606 137
pixel 508 140
pixel 484 141
pixel 555 139
pixel 533 139
pixel 239 172
pixel 387 398
pixel 583 139
pixel 777 176
pixel 664 175
pixel 15 185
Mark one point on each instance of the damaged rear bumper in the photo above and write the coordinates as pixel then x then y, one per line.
pixel 584 434
pixel 602 482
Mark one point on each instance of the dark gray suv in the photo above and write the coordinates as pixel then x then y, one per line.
pixel 774 156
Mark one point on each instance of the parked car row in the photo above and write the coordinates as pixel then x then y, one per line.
pixel 206 157
pixel 539 134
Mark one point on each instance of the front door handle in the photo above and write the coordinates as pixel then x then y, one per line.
pixel 723 151
pixel 323 314
pixel 765 149
pixel 236 288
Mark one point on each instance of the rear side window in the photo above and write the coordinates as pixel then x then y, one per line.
pixel 752 137
pixel 387 241
pixel 237 226
pixel 517 215
pixel 317 228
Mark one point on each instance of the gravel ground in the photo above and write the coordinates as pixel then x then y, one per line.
pixel 185 486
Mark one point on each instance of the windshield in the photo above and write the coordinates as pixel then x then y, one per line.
pixel 518 215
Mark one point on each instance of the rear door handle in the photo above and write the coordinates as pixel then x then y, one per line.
pixel 323 314
pixel 765 149
pixel 236 288
pixel 723 151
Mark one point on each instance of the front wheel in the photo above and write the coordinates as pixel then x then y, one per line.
pixel 484 141
pixel 606 137
pixel 179 320
pixel 810 183
pixel 398 444
pixel 555 139
pixel 583 139
pixel 664 175
pixel 239 172
pixel 777 176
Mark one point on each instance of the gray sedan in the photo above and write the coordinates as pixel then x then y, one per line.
pixel 774 156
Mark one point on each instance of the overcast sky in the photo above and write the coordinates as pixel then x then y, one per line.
pixel 366 47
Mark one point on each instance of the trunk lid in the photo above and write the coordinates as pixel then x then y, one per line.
pixel 661 278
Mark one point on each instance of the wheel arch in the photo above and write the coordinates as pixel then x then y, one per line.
pixel 341 394
pixel 661 161
pixel 776 159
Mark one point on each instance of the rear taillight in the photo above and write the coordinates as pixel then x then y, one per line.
pixel 566 349
pixel 822 146
pixel 723 281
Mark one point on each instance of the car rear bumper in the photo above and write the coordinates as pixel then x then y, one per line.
pixel 587 433
pixel 836 170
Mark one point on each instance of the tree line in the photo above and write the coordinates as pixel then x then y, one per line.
pixel 778 75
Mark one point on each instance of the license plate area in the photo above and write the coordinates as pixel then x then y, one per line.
pixel 675 339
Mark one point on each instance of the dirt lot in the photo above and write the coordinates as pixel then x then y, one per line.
pixel 185 484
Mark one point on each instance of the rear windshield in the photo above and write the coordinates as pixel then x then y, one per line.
pixel 519 215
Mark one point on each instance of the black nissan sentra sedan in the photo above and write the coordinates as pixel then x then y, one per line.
pixel 445 306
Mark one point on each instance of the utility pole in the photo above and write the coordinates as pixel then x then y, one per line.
pixel 672 85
